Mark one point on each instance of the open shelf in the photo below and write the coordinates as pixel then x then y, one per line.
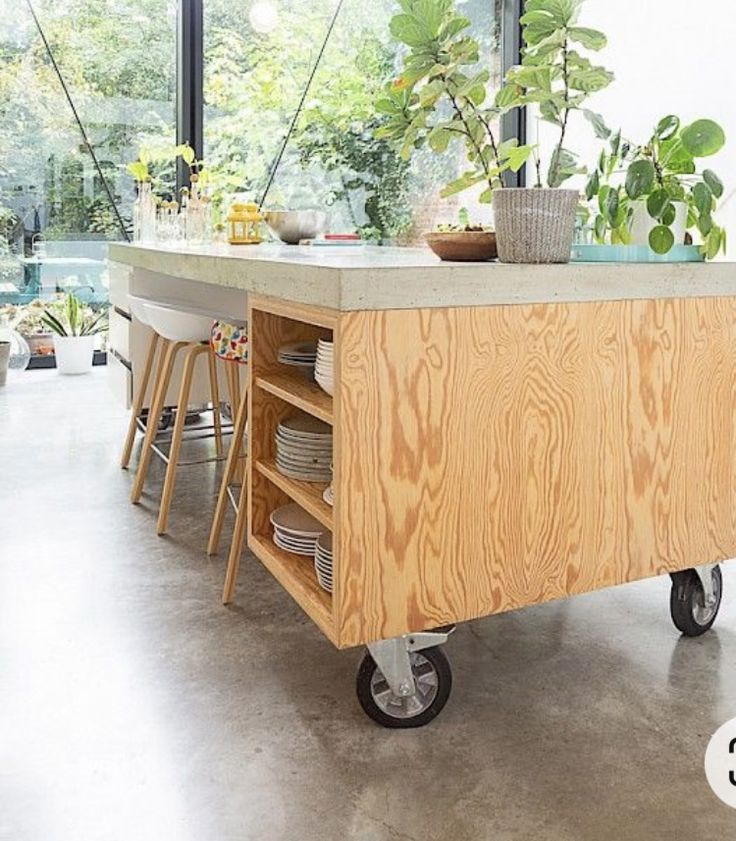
pixel 300 392
pixel 306 494
pixel 296 575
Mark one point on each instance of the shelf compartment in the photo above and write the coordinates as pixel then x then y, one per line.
pixel 296 575
pixel 299 392
pixel 306 494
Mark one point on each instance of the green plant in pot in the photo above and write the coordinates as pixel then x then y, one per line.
pixel 555 80
pixel 439 100
pixel 440 97
pixel 658 194
pixel 74 327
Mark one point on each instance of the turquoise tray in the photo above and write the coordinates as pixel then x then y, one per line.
pixel 635 254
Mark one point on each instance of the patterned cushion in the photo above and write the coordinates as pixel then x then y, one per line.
pixel 230 341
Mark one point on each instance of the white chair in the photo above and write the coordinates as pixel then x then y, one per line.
pixel 179 327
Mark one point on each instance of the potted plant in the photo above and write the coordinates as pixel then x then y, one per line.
pixel 659 194
pixel 536 225
pixel 474 243
pixel 75 328
pixel 439 99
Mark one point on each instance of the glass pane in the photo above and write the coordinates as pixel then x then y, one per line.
pixel 118 60
pixel 256 68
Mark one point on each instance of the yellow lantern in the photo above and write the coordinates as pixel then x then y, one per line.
pixel 244 224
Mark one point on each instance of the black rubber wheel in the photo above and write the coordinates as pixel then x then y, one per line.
pixel 433 678
pixel 687 602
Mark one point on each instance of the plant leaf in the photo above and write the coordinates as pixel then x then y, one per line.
pixel 667 127
pixel 661 239
pixel 714 182
pixel 639 179
pixel 703 197
pixel 657 202
pixel 703 138
pixel 590 38
pixel 602 132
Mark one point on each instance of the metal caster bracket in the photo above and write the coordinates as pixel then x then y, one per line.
pixel 705 574
pixel 392 657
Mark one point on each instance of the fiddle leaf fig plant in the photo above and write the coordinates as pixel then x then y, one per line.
pixel 660 174
pixel 440 97
pixel 556 78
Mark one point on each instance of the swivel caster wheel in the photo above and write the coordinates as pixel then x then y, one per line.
pixel 408 706
pixel 694 607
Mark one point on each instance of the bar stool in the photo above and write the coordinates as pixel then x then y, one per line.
pixel 138 312
pixel 181 328
pixel 230 344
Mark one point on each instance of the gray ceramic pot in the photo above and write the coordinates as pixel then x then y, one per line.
pixel 534 225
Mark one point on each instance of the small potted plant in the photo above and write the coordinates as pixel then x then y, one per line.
pixel 474 243
pixel 75 328
pixel 652 194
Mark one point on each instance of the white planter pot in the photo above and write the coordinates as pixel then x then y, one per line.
pixel 642 223
pixel 74 354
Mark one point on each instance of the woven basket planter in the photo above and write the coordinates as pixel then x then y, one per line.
pixel 534 225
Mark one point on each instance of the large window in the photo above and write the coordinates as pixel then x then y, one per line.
pixel 118 62
pixel 258 59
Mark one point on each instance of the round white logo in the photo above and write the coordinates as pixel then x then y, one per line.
pixel 720 763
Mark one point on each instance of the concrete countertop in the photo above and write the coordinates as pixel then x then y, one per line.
pixel 375 278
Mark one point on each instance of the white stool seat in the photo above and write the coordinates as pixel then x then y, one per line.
pixel 138 308
pixel 179 325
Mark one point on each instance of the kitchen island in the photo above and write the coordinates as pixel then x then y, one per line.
pixel 503 435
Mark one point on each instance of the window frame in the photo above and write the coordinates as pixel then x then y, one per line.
pixel 190 81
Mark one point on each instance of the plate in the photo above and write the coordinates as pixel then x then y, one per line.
pixel 324 541
pixel 293 519
pixel 305 425
pixel 304 552
pixel 298 349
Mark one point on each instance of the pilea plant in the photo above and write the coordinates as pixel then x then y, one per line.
pixel 440 96
pixel 660 173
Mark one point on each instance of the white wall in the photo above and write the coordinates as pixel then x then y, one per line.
pixel 669 57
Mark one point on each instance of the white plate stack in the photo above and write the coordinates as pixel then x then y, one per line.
pixel 300 354
pixel 323 561
pixel 296 531
pixel 323 368
pixel 304 448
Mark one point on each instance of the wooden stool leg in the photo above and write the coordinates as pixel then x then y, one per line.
pixel 233 561
pixel 176 436
pixel 139 400
pixel 166 366
pixel 215 396
pixel 233 456
pixel 235 399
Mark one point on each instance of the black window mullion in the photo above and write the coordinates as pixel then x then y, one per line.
pixel 189 85
pixel 513 124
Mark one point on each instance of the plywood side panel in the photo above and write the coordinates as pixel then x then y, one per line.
pixel 497 457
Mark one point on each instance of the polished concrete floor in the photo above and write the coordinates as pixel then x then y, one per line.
pixel 134 707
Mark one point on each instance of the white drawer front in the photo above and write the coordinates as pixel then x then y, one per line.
pixel 120 380
pixel 120 330
pixel 119 285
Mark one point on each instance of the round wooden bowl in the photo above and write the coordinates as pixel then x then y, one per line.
pixel 463 246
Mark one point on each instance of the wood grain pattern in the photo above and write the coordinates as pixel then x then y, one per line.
pixel 267 331
pixel 306 494
pixel 494 457
pixel 300 392
pixel 316 316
